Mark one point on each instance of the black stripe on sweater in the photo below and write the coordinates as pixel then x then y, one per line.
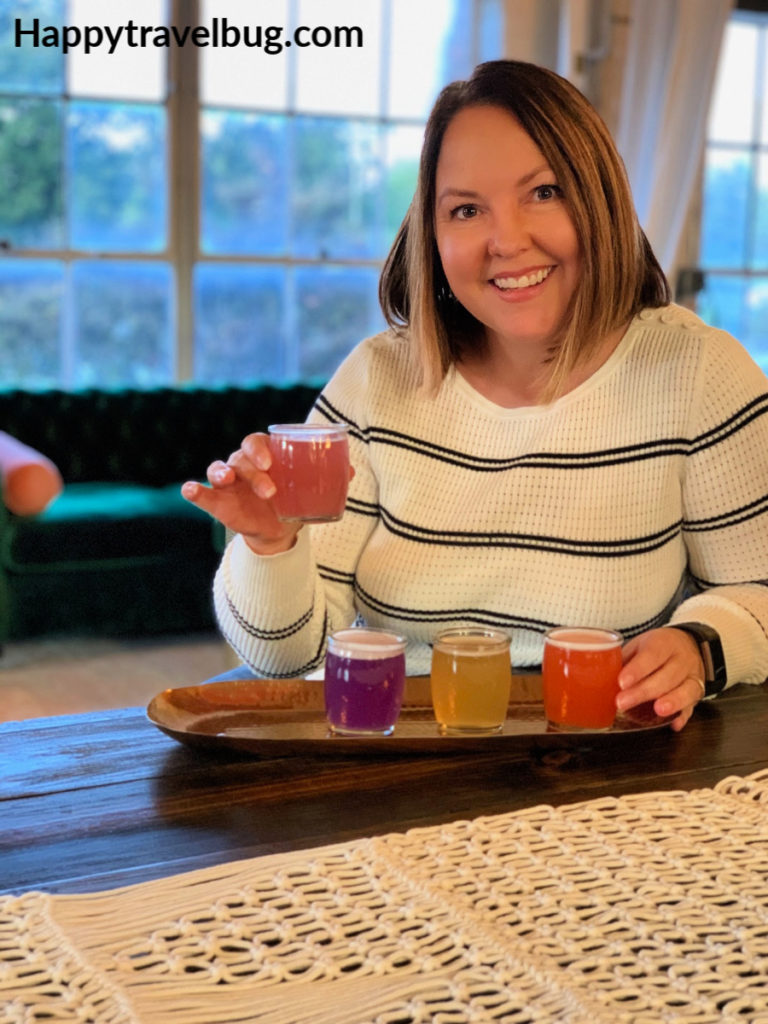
pixel 280 634
pixel 702 584
pixel 622 454
pixel 733 517
pixel 486 616
pixel 334 415
pixel 269 634
pixel 749 412
pixel 619 547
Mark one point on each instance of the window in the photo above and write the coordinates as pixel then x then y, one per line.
pixel 215 213
pixel 734 238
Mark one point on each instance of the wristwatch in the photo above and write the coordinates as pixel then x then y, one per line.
pixel 711 651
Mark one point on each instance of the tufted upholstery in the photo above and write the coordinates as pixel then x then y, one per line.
pixel 120 551
pixel 147 437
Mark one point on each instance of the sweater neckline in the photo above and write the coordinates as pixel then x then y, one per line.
pixel 460 384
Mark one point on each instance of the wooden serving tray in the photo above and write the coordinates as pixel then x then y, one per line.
pixel 269 717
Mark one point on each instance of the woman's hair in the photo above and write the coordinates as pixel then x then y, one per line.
pixel 619 272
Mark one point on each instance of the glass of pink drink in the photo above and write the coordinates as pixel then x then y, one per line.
pixel 364 681
pixel 310 469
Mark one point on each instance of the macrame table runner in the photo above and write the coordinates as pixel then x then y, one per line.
pixel 643 909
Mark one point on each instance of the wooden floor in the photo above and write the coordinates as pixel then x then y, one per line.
pixel 65 676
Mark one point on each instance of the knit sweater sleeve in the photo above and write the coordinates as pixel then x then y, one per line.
pixel 725 507
pixel 276 611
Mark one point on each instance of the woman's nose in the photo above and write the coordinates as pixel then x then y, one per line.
pixel 509 234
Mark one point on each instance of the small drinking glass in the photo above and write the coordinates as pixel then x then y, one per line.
pixel 580 673
pixel 364 681
pixel 310 471
pixel 471 679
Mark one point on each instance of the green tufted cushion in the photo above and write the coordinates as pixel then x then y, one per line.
pixel 91 524
pixel 120 552
pixel 149 437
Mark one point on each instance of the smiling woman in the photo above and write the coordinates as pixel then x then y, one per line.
pixel 566 137
pixel 536 437
pixel 508 249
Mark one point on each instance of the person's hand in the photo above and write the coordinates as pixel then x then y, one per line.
pixel 662 665
pixel 239 497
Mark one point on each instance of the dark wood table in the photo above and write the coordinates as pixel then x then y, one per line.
pixel 97 800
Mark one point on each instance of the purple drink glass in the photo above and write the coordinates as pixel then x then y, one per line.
pixel 364 681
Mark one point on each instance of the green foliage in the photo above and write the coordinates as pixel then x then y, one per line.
pixel 31 205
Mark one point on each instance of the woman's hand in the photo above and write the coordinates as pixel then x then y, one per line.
pixel 662 665
pixel 239 497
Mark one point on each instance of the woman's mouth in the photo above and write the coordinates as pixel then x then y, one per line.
pixel 524 281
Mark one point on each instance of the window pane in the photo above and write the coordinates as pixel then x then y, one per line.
pixel 403 152
pixel 491 30
pixel 342 79
pixel 431 44
pixel 724 222
pixel 118 175
pixel 29 68
pixel 739 305
pixel 721 303
pixel 731 117
pixel 337 189
pixel 756 334
pixel 31 213
pixel 337 308
pixel 30 323
pixel 244 183
pixel 123 324
pixel 236 73
pixel 760 256
pixel 129 72
pixel 239 323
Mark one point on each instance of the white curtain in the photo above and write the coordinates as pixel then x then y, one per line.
pixel 671 62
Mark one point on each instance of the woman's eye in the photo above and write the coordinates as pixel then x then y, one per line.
pixel 544 192
pixel 464 212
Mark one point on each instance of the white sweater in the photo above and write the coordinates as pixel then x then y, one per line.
pixel 647 483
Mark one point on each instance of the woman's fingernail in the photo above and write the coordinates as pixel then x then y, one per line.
pixel 266 490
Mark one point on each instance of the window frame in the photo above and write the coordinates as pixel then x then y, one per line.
pixel 747 271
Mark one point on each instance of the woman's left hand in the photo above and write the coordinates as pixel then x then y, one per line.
pixel 662 665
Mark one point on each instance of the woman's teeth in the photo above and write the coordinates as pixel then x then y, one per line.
pixel 522 282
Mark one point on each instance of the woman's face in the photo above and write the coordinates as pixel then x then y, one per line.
pixel 506 240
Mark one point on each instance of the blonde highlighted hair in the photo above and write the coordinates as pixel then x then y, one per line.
pixel 619 272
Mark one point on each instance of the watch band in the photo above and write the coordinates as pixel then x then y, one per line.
pixel 711 651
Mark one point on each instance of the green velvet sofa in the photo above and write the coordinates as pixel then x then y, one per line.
pixel 119 552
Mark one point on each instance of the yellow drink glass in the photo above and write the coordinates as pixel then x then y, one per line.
pixel 471 679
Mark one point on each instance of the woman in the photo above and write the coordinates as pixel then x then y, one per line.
pixel 539 439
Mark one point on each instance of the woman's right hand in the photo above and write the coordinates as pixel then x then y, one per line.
pixel 240 497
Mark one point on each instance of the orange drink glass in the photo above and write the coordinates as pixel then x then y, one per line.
pixel 470 679
pixel 310 469
pixel 580 672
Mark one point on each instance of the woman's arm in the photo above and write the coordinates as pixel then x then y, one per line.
pixel 276 608
pixel 725 528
